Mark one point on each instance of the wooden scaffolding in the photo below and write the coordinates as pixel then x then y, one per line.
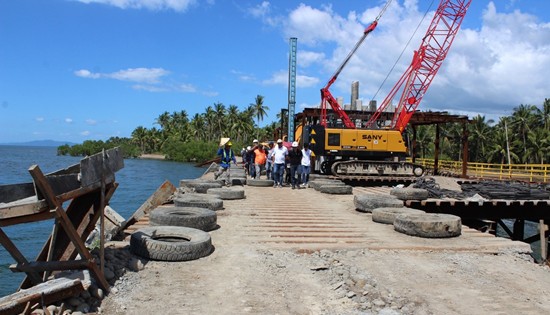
pixel 88 187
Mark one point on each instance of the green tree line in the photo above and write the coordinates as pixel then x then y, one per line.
pixel 521 138
pixel 524 136
pixel 183 138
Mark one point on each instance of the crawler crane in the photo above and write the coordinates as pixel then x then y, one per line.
pixel 379 148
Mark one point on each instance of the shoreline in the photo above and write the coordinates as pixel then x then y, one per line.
pixel 152 156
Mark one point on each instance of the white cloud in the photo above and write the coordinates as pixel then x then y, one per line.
pixel 69 120
pixel 490 69
pixel 155 5
pixel 85 133
pixel 145 75
pixel 91 122
pixel 281 78
pixel 39 119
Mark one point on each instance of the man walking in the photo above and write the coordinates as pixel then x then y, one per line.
pixel 227 156
pixel 306 164
pixel 295 159
pixel 280 153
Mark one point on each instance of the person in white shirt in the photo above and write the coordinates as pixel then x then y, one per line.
pixel 306 164
pixel 280 152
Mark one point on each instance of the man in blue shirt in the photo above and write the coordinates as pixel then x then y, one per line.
pixel 227 156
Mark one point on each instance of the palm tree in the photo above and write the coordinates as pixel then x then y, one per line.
pixel 522 120
pixel 219 110
pixel 210 119
pixel 139 136
pixel 539 145
pixel 480 135
pixel 260 110
pixel 425 139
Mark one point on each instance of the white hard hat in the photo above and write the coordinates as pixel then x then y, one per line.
pixel 294 144
pixel 248 148
pixel 255 140
pixel 279 141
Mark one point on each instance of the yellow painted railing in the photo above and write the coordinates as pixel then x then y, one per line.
pixel 539 173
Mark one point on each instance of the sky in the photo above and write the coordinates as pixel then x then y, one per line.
pixel 76 70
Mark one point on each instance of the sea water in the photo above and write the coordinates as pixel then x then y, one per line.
pixel 137 181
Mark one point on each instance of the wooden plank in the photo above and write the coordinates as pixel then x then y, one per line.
pixel 91 168
pixel 18 209
pixel 47 293
pixel 9 193
pixel 45 215
pixel 40 266
pixel 160 196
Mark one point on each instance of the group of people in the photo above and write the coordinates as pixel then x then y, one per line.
pixel 295 163
pixel 279 163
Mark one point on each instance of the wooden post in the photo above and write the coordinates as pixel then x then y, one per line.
pixel 413 151
pixel 543 241
pixel 102 217
pixel 436 153
pixel 464 151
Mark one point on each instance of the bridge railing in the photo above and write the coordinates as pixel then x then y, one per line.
pixel 539 173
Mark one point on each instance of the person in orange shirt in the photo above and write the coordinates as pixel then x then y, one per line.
pixel 260 158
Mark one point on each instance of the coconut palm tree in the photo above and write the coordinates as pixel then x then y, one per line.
pixel 139 136
pixel 523 119
pixel 260 110
pixel 480 135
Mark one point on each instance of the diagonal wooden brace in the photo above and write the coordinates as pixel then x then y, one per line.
pixel 44 187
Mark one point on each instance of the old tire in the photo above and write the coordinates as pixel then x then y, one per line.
pixel 202 188
pixel 241 181
pixel 315 184
pixel 170 243
pixel 192 217
pixel 409 193
pixel 227 193
pixel 260 182
pixel 200 201
pixel 429 225
pixel 387 215
pixel 336 189
pixel 369 202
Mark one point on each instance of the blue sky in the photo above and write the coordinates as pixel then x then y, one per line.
pixel 73 70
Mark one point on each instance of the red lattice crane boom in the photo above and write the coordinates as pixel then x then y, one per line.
pixel 425 63
pixel 326 96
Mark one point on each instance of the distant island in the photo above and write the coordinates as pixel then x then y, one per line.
pixel 39 143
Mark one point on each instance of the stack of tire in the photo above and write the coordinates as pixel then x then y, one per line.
pixel 329 186
pixel 391 210
pixel 176 234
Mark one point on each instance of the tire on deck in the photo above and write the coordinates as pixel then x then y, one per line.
pixel 315 184
pixel 369 202
pixel 170 243
pixel 198 200
pixel 387 215
pixel 198 218
pixel 409 193
pixel 336 189
pixel 428 225
pixel 227 193
pixel 260 182
pixel 202 188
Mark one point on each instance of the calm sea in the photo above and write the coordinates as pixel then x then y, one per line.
pixel 137 181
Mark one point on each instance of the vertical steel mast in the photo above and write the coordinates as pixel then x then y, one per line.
pixel 291 87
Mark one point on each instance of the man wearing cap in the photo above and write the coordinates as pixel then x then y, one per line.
pixel 227 156
pixel 295 159
pixel 280 153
